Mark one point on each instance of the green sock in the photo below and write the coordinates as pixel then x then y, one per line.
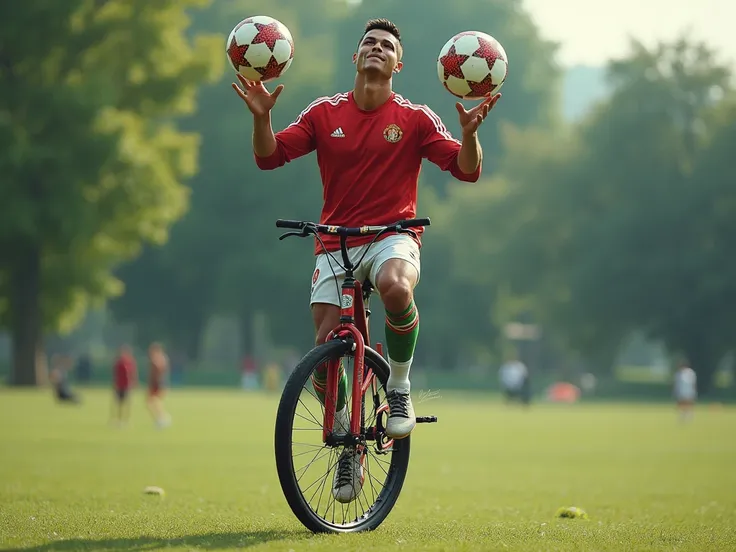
pixel 319 382
pixel 402 330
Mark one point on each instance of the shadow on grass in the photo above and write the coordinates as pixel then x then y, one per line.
pixel 207 541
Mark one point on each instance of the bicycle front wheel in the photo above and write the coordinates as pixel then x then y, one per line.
pixel 306 465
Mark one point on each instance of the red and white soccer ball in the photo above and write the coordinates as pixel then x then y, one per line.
pixel 260 48
pixel 472 65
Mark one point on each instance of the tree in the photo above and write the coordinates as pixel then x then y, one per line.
pixel 92 163
pixel 621 226
pixel 703 322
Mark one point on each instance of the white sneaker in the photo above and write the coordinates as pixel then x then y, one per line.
pixel 163 422
pixel 401 418
pixel 348 480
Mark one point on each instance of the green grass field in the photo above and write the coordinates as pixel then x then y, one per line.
pixel 486 477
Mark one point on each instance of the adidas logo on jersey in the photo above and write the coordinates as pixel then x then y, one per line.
pixel 338 133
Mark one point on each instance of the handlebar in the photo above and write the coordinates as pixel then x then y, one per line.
pixel 303 229
pixel 307 228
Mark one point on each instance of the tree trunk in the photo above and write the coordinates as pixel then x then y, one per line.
pixel 26 319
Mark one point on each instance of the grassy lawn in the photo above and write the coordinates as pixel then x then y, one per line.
pixel 486 477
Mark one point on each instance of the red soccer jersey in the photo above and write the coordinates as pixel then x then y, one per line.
pixel 125 372
pixel 369 160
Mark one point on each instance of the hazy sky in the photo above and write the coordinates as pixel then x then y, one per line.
pixel 592 31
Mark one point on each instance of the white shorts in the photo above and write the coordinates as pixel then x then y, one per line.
pixel 396 246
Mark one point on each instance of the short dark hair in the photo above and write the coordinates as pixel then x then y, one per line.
pixel 382 25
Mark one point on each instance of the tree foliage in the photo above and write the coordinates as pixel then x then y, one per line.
pixel 92 163
pixel 623 224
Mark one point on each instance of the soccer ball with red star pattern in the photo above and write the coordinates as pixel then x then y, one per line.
pixel 472 65
pixel 260 48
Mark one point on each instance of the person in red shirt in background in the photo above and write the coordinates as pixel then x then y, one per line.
pixel 125 377
pixel 370 143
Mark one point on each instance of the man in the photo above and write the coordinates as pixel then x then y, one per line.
pixel 125 377
pixel 370 143
pixel 685 390
pixel 59 378
pixel 514 377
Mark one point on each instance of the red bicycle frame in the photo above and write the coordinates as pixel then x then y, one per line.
pixel 352 326
pixel 353 323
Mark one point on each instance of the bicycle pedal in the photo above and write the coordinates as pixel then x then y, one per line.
pixel 426 419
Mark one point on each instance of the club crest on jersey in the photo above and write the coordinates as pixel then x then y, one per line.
pixel 392 133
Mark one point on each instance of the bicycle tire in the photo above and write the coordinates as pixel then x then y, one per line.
pixel 387 498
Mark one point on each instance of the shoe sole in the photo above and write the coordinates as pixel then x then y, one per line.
pixel 404 436
pixel 346 501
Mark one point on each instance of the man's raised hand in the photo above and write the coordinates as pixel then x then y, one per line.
pixel 255 95
pixel 471 119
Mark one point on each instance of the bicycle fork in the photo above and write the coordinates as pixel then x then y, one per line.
pixel 360 385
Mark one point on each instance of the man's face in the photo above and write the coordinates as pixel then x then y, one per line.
pixel 378 53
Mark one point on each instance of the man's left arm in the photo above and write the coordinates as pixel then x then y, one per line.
pixel 461 159
pixel 470 156
pixel 464 160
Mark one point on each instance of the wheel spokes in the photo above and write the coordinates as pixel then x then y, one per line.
pixel 315 463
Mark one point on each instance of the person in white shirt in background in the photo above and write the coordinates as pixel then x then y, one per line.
pixel 513 375
pixel 685 390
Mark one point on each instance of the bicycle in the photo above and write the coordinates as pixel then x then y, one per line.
pixel 347 343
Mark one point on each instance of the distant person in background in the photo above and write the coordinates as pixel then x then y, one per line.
pixel 272 376
pixel 158 368
pixel 685 390
pixel 249 373
pixel 59 377
pixel 125 377
pixel 514 377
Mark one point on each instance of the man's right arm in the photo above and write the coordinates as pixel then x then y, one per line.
pixel 274 150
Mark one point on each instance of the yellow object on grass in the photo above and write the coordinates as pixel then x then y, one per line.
pixel 572 512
